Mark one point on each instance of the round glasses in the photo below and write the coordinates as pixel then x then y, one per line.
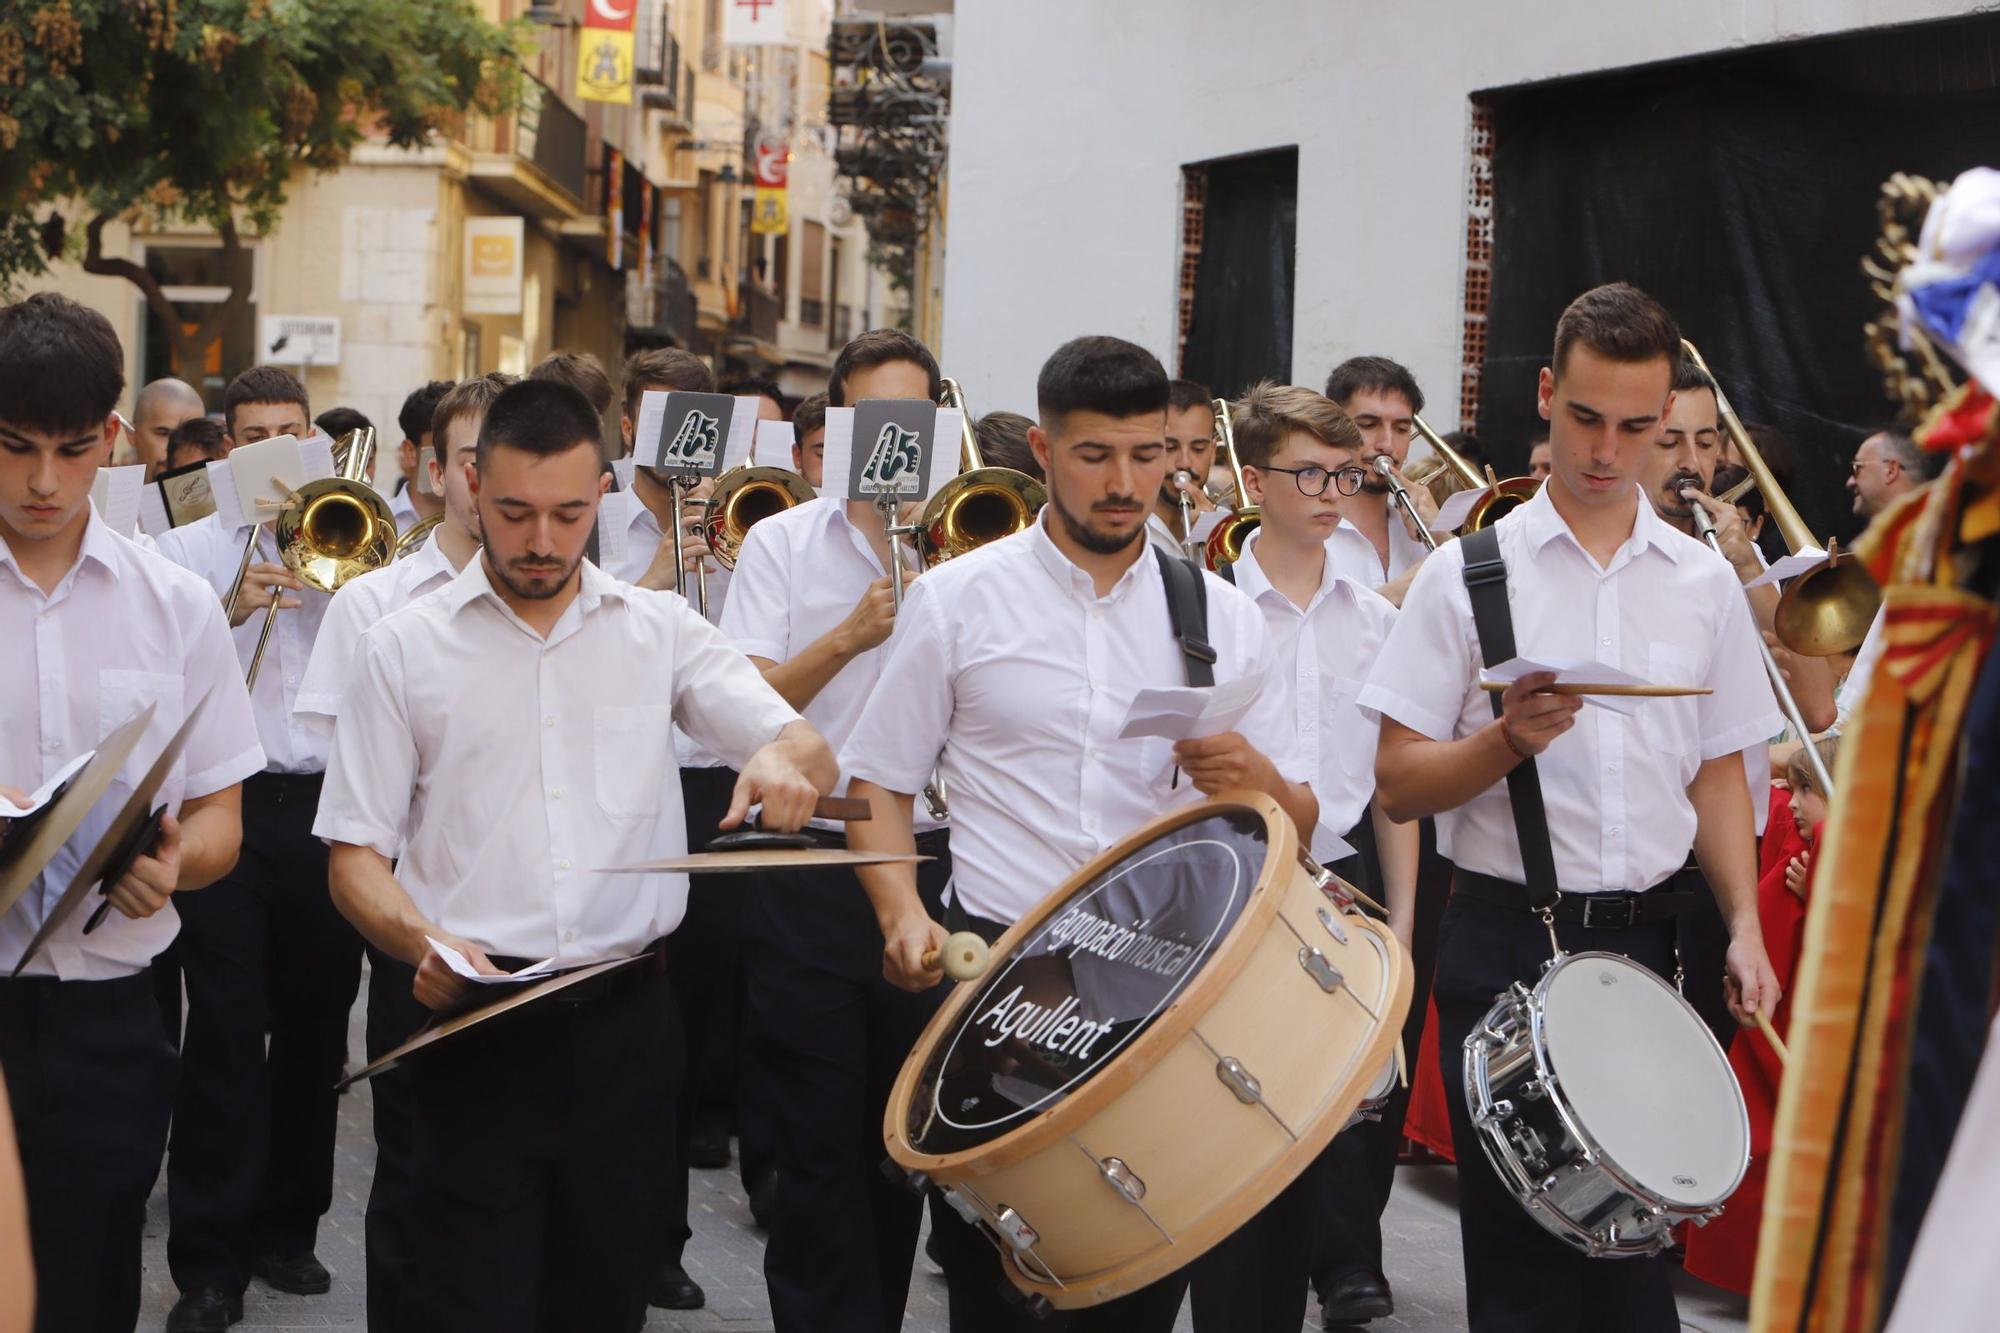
pixel 1313 480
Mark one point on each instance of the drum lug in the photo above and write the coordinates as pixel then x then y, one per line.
pixel 1321 969
pixel 1123 1179
pixel 916 1182
pixel 1329 884
pixel 963 1206
pixel 1534 1090
pixel 1534 1156
pixel 1239 1080
pixel 1332 924
pixel 1014 1229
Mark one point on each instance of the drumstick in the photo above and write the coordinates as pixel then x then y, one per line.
pixel 1771 1035
pixel 963 957
pixel 1637 691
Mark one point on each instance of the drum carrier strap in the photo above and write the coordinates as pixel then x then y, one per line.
pixel 1493 621
pixel 1187 614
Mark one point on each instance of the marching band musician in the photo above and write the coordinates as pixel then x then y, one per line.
pixel 812 607
pixel 250 1165
pixel 101 629
pixel 540 1143
pixel 809 439
pixel 393 1012
pixel 1190 450
pixel 1299 456
pixel 1592 572
pixel 413 502
pixel 1374 544
pixel 1010 676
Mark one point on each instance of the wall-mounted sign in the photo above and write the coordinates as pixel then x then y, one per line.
pixel 299 340
pixel 493 266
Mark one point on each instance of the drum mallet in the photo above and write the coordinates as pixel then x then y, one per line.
pixel 1771 1035
pixel 963 956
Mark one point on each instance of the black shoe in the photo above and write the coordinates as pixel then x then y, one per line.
pixel 300 1274
pixel 708 1145
pixel 205 1310
pixel 1356 1299
pixel 764 1200
pixel 673 1289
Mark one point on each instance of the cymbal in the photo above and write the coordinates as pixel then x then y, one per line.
pixel 777 858
pixel 1580 687
pixel 56 821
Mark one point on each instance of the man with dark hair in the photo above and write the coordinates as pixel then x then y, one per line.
pixel 99 629
pixel 809 440
pixel 1003 442
pixel 336 422
pixel 159 408
pixel 1375 543
pixel 1590 572
pixel 264 401
pixel 413 500
pixel 196 440
pixel 996 683
pixel 770 398
pixel 270 968
pixel 394 1016
pixel 540 1142
pixel 581 371
pixel 1190 455
pixel 880 347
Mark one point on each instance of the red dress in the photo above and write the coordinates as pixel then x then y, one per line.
pixel 1724 1252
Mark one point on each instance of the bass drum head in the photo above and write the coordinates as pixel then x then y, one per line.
pixel 1100 966
pixel 1645 1079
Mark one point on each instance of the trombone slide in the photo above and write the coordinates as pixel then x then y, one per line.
pixel 1387 470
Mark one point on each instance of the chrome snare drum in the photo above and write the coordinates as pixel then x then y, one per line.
pixel 1606 1105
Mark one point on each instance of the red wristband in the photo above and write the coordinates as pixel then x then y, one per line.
pixel 1508 737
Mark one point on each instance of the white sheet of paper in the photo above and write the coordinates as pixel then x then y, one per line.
pixel 153 518
pixel 222 489
pixel 1789 567
pixel 263 474
pixel 115 492
pixel 39 797
pixel 1181 712
pixel 1579 671
pixel 742 432
pixel 774 445
pixel 646 430
pixel 548 967
pixel 1205 523
pixel 1451 514
pixel 623 468
pixel 615 513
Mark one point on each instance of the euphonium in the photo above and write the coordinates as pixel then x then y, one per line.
pixel 1225 543
pixel 1827 609
pixel 981 503
pixel 745 496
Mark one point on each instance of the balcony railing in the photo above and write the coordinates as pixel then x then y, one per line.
pixel 542 131
pixel 812 312
pixel 758 315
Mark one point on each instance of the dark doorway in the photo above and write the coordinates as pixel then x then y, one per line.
pixel 1740 190
pixel 1240 326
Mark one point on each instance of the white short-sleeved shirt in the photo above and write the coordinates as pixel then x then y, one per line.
pixel 355 607
pixel 403 507
pixel 1324 652
pixel 800 575
pixel 123 629
pixel 1012 677
pixel 215 551
pixel 1354 555
pixel 1666 608
pixel 507 770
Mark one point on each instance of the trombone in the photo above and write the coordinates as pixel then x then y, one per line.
pixel 1183 478
pixel 1503 494
pixel 417 534
pixel 980 504
pixel 1386 467
pixel 745 496
pixel 329 531
pixel 1827 609
pixel 1226 542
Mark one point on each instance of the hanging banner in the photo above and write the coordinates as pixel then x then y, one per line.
pixel 493 266
pixel 604 53
pixel 753 22
pixel 770 214
pixel 614 208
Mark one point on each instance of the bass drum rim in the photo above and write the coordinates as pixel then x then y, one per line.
pixel 1166 1030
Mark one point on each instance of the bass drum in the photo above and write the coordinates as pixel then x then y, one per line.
pixel 1159 1048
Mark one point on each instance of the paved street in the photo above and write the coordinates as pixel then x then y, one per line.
pixel 726 1256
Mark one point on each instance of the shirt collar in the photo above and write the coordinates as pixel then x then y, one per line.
pixel 1541 522
pixel 472 584
pixel 429 562
pixel 1068 574
pixel 1255 584
pixel 99 547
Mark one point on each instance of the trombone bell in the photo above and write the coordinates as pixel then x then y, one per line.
pixel 745 497
pixel 975 508
pixel 1225 544
pixel 1827 609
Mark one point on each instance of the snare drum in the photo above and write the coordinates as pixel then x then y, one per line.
pixel 1159 1048
pixel 1606 1106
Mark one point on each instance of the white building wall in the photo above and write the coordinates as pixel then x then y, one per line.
pixel 1071 120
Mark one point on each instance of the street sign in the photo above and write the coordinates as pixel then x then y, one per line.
pixel 299 340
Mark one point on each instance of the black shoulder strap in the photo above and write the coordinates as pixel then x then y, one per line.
pixel 1493 619
pixel 1187 613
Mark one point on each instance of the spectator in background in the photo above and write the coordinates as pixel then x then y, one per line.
pixel 1469 448
pixel 809 439
pixel 771 404
pixel 1887 466
pixel 581 371
pixel 1538 457
pixel 160 406
pixel 1003 442
pixel 413 501
pixel 196 440
pixel 1750 504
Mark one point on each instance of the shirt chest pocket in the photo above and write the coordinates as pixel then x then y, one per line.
pixel 632 749
pixel 121 695
pixel 1669 725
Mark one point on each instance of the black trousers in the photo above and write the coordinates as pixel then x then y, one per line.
pixel 1703 939
pixel 726 1078
pixel 394 1016
pixel 982 1300
pixel 261 950
pixel 540 1141
pixel 91 1079
pixel 836 1033
pixel 1518 1277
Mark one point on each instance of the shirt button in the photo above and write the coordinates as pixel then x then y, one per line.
pixel 564 864
pixel 569 937
pixel 1615 828
pixel 291 680
pixel 1606 641
pixel 548 722
pixel 555 793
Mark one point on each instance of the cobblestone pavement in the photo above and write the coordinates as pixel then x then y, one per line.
pixel 1420 1235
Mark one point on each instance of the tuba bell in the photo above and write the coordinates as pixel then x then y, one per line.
pixel 745 496
pixel 980 504
pixel 1226 542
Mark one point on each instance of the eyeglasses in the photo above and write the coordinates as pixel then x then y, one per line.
pixel 1313 480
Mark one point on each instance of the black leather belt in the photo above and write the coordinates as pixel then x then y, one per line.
pixel 1609 910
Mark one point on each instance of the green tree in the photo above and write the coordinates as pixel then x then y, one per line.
pixel 203 110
